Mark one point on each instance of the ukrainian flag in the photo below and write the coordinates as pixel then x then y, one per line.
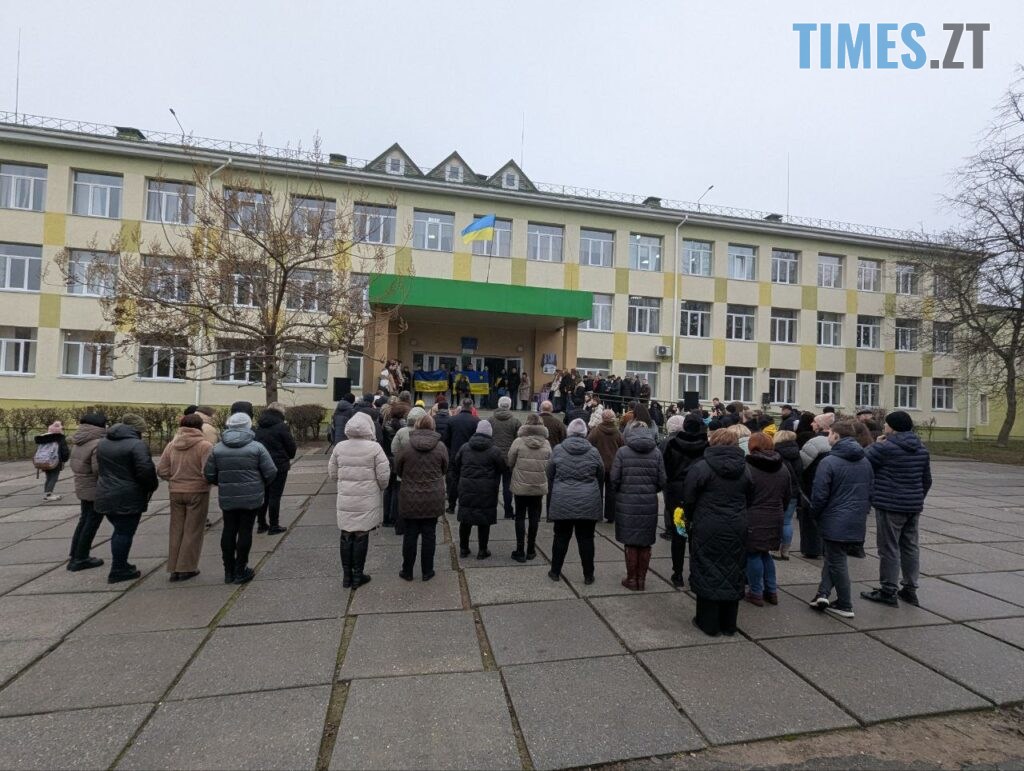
pixel 481 230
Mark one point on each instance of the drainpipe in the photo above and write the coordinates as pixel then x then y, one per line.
pixel 202 329
pixel 674 374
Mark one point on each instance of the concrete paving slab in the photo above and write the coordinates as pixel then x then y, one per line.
pixel 126 669
pixel 388 593
pixel 501 557
pixel 434 721
pixel 271 730
pixel 13 576
pixel 174 608
pixel 790 618
pixel 82 739
pixel 546 631
pixel 302 563
pixel 935 563
pixel 650 621
pixel 48 615
pixel 966 656
pixel 211 569
pixel 518 584
pixel 608 580
pixel 392 644
pixel 768 699
pixel 1009 630
pixel 30 552
pixel 66 529
pixel 590 711
pixel 33 511
pixel 61 580
pixel 263 657
pixel 15 655
pixel 795 571
pixel 958 603
pixel 604 551
pixel 873 682
pixel 17 531
pixel 314 537
pixel 293 599
pixel 387 560
pixel 1007 586
pixel 319 515
pixel 988 556
pixel 871 615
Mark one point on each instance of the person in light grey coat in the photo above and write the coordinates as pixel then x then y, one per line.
pixel 241 468
pixel 575 479
pixel 528 459
pixel 638 475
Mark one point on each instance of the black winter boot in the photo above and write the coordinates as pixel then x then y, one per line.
pixel 360 545
pixel 345 548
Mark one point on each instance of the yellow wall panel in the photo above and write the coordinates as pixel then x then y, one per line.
pixel 518 271
pixel 619 347
pixel 890 362
pixel 54 229
pixel 572 276
pixel 851 300
pixel 764 294
pixel 851 359
pixel 49 310
pixel 130 235
pixel 669 286
pixel 808 358
pixel 764 353
pixel 403 261
pixel 721 289
pixel 718 353
pixel 621 281
pixel 809 298
pixel 462 266
pixel 927 362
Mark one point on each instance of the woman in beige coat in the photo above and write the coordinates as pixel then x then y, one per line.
pixel 181 465
pixel 362 471
pixel 528 458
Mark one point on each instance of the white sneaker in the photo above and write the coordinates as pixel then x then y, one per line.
pixel 819 603
pixel 839 612
pixel 52 497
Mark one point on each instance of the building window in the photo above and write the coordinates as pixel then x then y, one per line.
pixel 869 275
pixel 432 231
pixel 354 367
pixel 166 279
pixel 600 314
pixel 644 315
pixel 869 390
pixel 161 362
pixel 942 393
pixel 245 291
pixel 313 217
pixel 247 210
pixel 908 333
pixel 739 384
pixel 644 252
pixel 22 187
pixel 942 337
pixel 982 409
pixel 544 242
pixel 97 195
pixel 782 386
pixel 500 245
pixel 645 370
pixel 694 377
pixel 305 368
pixel 597 248
pixel 170 202
pixel 17 351
pixel 395 165
pixel 907 279
pixel 869 332
pixel 21 267
pixel 593 367
pixel 92 274
pixel 906 392
pixel 785 267
pixel 452 172
pixel 238 366
pixel 742 262
pixel 827 388
pixel 510 180
pixel 783 325
pixel 697 258
pixel 374 224
pixel 739 322
pixel 88 354
pixel 308 290
pixel 695 319
pixel 830 329
pixel 830 271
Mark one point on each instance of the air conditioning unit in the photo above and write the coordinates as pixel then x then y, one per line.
pixel 662 350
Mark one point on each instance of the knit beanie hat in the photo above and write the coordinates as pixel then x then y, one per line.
pixel 675 424
pixel 414 414
pixel 692 425
pixel 577 428
pixel 190 409
pixel 484 427
pixel 504 403
pixel 608 416
pixel 132 420
pixel 239 420
pixel 245 407
pixel 899 421
pixel 97 419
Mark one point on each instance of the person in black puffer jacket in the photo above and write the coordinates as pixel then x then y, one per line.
pixel 273 433
pixel 127 479
pixel 773 489
pixel 422 465
pixel 442 416
pixel 787 447
pixel 342 412
pixel 681 450
pixel 716 494
pixel 575 475
pixel 461 429
pixel 638 475
pixel 475 473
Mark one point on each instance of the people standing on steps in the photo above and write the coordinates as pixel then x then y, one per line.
pixel 241 468
pixel 575 475
pixel 51 454
pixel 505 427
pixel 422 465
pixel 182 466
pixel 903 477
pixel 638 475
pixel 272 432
pixel 684 446
pixel 85 466
pixel 126 481
pixel 475 472
pixel 772 492
pixel 786 446
pixel 361 470
pixel 607 438
pixel 555 427
pixel 528 460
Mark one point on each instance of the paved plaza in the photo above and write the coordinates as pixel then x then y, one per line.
pixel 490 664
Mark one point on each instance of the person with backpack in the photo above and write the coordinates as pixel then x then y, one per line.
pixel 84 465
pixel 51 454
pixel 272 432
pixel 181 464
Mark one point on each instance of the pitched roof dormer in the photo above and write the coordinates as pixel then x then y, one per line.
pixel 453 169
pixel 395 161
pixel 511 177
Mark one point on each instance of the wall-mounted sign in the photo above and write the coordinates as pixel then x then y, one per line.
pixel 468 345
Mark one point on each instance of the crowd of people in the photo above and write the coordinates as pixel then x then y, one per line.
pixel 726 485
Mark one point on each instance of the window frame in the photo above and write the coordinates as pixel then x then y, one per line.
pixel 866 267
pixel 32 268
pixel 100 349
pixel 692 255
pixel 327 212
pixel 502 237
pixel 175 352
pixel 318 362
pixel 832 386
pixel 874 386
pixel 78 288
pixel 747 322
pixel 746 381
pixel 24 352
pixel 941 330
pixel 587 236
pixel 185 190
pixel 702 316
pixel 789 378
pixel 946 387
pixel 537 234
pixel 790 323
pixel 365 214
pixel 91 188
pixel 907 394
pixel 644 248
pixel 748 260
pixel 907 338
pixel 604 318
pixel 908 280
pixel 650 309
pixel 9 182
pixel 251 209
pixel 441 224
pixel 872 330
pixel 830 329
pixel 789 259
pixel 645 370
pixel 699 372
pixel 830 274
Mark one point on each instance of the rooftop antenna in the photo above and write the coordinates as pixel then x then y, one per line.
pixel 710 188
pixel 179 124
pixel 522 141
pixel 787 185
pixel 17 77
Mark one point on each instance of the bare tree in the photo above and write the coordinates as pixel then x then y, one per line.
pixel 258 276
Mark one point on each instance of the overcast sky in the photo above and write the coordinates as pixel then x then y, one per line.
pixel 656 98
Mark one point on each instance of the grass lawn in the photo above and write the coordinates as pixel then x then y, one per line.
pixel 985 450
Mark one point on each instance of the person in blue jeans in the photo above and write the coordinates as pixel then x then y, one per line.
pixel 787 447
pixel 772 492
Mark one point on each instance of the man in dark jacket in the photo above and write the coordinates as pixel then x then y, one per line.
pixel 474 474
pixel 680 451
pixel 840 501
pixel 505 428
pixel 577 410
pixel 460 429
pixel 555 427
pixel 789 419
pixel 342 412
pixel 127 479
pixel 903 477
pixel 442 418
pixel 273 433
